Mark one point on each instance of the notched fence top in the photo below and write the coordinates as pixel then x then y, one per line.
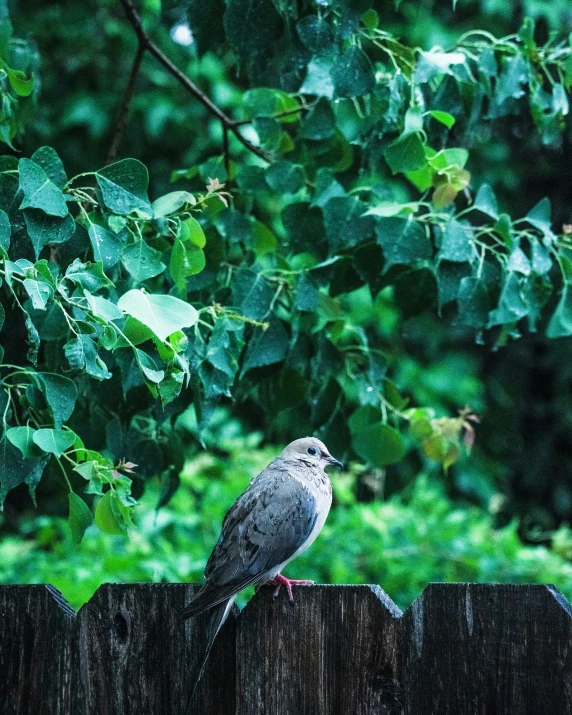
pixel 459 648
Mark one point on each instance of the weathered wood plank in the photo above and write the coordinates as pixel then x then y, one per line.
pixel 36 643
pixel 331 652
pixel 487 649
pixel 136 658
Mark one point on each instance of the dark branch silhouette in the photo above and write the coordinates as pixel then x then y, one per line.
pixel 124 113
pixel 147 44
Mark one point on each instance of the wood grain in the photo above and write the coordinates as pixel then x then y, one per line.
pixel 37 629
pixel 332 651
pixel 136 658
pixel 460 649
pixel 488 649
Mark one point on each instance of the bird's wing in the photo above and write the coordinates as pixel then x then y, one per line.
pixel 266 525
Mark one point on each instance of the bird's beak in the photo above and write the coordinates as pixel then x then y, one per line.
pixel 333 460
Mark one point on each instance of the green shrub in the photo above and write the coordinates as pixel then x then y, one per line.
pixel 402 544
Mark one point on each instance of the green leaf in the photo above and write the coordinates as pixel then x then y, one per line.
pixel 33 339
pixel 539 217
pixel 345 222
pixel 444 117
pixel 107 247
pixel 251 294
pixel 5 231
pixel 285 177
pixel 194 232
pixel 124 187
pixel 513 76
pixel 39 292
pixel 15 470
pixel 352 73
pixel 178 266
pixel 379 444
pixel 263 240
pixel 390 208
pixel 54 441
pixel 326 188
pixel 103 308
pixel 512 305
pixel 48 159
pixel 416 291
pixel 560 324
pixel 234 226
pixel 163 314
pixel 318 79
pixel 81 353
pixel 44 229
pixel 404 241
pixel 486 202
pixel 79 517
pixel 405 154
pixel 142 261
pixel 196 259
pixel 61 395
pixel 22 85
pixel 473 302
pixel 89 276
pixel 171 203
pixel 320 122
pixel 23 439
pixel 251 26
pixel 107 514
pixel 39 190
pixel 364 417
pixel 148 367
pixel 457 244
pixel 315 34
pixel 266 347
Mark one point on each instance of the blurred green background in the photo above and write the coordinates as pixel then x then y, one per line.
pixel 500 514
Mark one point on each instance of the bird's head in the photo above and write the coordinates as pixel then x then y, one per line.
pixel 310 450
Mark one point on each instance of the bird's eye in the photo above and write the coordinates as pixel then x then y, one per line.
pixel 313 451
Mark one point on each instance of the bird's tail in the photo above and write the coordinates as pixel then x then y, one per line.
pixel 217 616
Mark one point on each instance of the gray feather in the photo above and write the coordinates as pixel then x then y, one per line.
pixel 266 526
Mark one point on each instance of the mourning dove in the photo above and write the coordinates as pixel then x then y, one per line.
pixel 276 519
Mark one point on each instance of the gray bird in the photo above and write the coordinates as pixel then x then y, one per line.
pixel 276 519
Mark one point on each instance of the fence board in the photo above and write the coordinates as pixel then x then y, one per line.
pixel 333 651
pixel 488 649
pixel 460 649
pixel 136 658
pixel 36 644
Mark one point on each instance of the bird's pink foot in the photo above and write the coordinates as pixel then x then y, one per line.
pixel 280 581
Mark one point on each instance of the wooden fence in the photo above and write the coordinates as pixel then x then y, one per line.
pixel 460 649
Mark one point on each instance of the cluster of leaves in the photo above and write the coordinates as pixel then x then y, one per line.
pixel 18 70
pixel 361 543
pixel 248 290
pixel 61 304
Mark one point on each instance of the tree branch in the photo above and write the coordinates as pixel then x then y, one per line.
pixel 148 44
pixel 124 112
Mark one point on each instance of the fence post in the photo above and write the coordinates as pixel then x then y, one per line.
pixel 332 652
pixel 36 651
pixel 487 649
pixel 135 657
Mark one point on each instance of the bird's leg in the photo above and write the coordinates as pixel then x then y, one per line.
pixel 280 581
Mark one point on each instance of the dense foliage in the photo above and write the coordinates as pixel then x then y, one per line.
pixel 347 208
pixel 403 543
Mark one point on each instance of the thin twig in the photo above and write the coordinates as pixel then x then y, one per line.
pixel 286 113
pixel 226 154
pixel 148 44
pixel 124 113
